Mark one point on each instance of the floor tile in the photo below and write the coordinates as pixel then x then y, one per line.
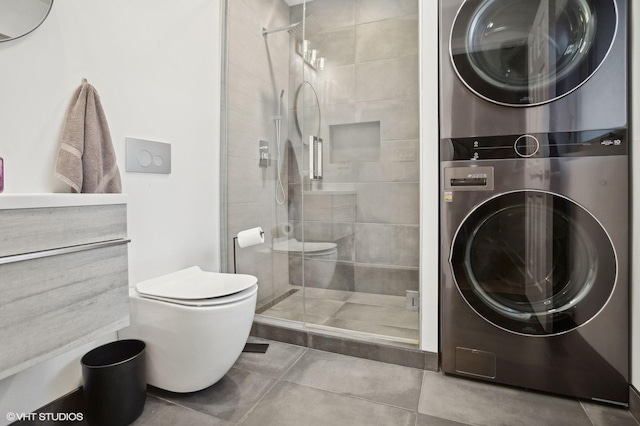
pixel 424 420
pixel 378 300
pixel 293 385
pixel 328 294
pixel 229 399
pixel 365 312
pixel 604 415
pixel 158 412
pixel 271 301
pixel 372 380
pixel 273 363
pixel 384 315
pixel 313 308
pixel 288 404
pixel 478 403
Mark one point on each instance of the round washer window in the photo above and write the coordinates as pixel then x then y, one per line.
pixel 533 263
pixel 529 52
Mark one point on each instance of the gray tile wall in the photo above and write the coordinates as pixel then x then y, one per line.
pixel 371 50
pixel 258 70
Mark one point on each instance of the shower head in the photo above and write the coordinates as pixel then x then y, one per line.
pixel 311 28
pixel 265 32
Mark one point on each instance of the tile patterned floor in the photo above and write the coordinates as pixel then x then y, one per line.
pixel 369 313
pixel 296 386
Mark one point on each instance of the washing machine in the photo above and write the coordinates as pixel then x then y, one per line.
pixel 532 66
pixel 535 259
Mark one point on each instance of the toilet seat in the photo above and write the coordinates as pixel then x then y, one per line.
pixel 308 248
pixel 195 287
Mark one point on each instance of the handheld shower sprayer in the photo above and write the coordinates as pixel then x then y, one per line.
pixel 277 119
pixel 280 104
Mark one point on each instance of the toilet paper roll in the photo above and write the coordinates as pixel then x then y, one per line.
pixel 250 237
pixel 282 230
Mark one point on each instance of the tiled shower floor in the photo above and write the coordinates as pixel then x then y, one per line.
pixel 362 312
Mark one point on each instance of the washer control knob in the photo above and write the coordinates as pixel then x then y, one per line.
pixel 526 146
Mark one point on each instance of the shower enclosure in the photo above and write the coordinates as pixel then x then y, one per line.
pixel 320 147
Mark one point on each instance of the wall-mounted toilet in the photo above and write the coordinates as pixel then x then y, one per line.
pixel 195 325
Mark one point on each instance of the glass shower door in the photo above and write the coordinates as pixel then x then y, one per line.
pixel 325 102
pixel 355 206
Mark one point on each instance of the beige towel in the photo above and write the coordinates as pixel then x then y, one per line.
pixel 86 159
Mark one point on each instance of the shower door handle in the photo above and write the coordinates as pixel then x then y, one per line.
pixel 315 158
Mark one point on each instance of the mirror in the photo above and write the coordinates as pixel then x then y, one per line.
pixel 20 17
pixel 307 109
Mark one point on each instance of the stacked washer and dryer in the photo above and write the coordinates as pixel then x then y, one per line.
pixel 535 184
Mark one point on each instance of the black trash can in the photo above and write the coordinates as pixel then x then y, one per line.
pixel 114 383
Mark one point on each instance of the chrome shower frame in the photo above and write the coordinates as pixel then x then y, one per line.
pixel 290 27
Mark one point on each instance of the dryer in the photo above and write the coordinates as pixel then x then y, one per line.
pixel 535 261
pixel 532 66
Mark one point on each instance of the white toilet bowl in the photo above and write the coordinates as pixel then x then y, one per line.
pixel 194 323
pixel 320 259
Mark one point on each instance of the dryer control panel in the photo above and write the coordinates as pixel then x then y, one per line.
pixel 537 145
pixel 468 178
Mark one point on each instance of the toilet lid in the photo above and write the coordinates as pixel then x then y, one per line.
pixel 295 246
pixel 232 298
pixel 193 284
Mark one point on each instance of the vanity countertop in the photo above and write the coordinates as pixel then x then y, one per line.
pixel 38 200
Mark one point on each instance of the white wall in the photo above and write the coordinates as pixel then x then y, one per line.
pixel 634 121
pixel 429 181
pixel 19 16
pixel 156 65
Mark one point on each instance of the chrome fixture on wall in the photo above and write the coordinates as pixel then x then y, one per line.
pixel 315 158
pixel 277 120
pixel 247 238
pixel 311 56
pixel 263 151
pixel 314 141
pixel 266 32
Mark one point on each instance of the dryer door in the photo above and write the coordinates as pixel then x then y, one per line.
pixel 534 263
pixel 530 52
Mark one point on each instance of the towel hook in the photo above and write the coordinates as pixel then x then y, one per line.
pixel 84 81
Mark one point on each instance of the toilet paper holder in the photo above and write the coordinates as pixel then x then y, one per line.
pixel 247 238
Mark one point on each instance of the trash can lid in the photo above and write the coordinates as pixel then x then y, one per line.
pixel 195 284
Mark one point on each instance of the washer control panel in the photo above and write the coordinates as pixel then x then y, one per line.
pixel 539 145
pixel 526 146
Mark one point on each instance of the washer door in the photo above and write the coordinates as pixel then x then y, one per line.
pixel 533 263
pixel 530 52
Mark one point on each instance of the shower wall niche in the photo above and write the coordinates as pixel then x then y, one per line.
pixel 368 200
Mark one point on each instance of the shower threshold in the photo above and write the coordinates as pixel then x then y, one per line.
pixel 387 349
pixel 364 325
